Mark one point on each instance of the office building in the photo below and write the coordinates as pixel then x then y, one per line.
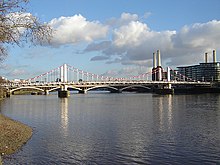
pixel 207 71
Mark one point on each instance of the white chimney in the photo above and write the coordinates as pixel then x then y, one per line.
pixel 214 56
pixel 154 60
pixel 206 57
pixel 158 58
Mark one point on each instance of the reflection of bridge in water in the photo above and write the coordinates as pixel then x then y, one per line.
pixel 66 78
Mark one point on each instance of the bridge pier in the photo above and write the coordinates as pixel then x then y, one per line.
pixel 165 89
pixel 63 92
pixel 82 91
pixel 8 94
pixel 46 92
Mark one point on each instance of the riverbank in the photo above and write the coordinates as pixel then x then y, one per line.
pixel 13 135
pixel 2 93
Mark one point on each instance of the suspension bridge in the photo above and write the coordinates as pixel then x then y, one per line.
pixel 65 78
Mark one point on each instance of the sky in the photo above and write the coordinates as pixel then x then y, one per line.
pixel 118 37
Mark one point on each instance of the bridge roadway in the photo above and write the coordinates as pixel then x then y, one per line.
pixel 112 86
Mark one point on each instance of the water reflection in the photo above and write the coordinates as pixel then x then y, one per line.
pixel 64 115
pixel 170 110
pixel 118 129
pixel 163 109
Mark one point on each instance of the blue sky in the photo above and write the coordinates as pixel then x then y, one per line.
pixel 118 37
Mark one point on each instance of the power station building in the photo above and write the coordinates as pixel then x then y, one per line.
pixel 157 71
pixel 207 71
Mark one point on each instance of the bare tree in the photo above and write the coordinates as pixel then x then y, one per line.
pixel 18 26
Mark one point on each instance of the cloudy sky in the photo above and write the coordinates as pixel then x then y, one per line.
pixel 118 37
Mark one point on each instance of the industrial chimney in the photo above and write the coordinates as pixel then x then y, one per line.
pixel 154 60
pixel 214 56
pixel 159 76
pixel 206 57
pixel 158 58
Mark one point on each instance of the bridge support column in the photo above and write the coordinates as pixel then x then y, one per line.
pixel 169 86
pixel 167 89
pixel 46 92
pixel 63 92
pixel 83 92
pixel 8 94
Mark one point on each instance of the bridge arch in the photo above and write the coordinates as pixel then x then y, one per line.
pixel 67 87
pixel 73 87
pixel 139 86
pixel 103 86
pixel 53 89
pixel 20 88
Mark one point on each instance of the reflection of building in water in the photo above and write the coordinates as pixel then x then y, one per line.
pixel 160 110
pixel 163 108
pixel 170 110
pixel 64 114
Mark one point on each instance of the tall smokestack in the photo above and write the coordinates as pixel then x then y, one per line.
pixel 158 58
pixel 214 56
pixel 154 60
pixel 206 57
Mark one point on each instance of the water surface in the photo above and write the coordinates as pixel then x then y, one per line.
pixel 118 129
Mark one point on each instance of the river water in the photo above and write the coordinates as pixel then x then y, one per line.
pixel 122 128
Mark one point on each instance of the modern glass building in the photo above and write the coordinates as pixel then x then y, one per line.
pixel 202 72
pixel 207 71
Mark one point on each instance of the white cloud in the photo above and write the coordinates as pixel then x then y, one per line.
pixel 200 35
pixel 135 41
pixel 136 34
pixel 124 19
pixel 129 41
pixel 71 30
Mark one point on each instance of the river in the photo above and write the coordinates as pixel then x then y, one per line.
pixel 126 128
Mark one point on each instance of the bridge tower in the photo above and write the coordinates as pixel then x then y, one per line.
pixel 63 92
pixel 63 73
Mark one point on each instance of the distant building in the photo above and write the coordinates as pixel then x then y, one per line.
pixel 157 71
pixel 207 71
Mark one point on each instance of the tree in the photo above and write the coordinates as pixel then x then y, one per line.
pixel 18 26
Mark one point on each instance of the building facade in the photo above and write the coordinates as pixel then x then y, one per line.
pixel 207 71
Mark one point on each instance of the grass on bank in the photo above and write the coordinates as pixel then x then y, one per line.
pixel 13 135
